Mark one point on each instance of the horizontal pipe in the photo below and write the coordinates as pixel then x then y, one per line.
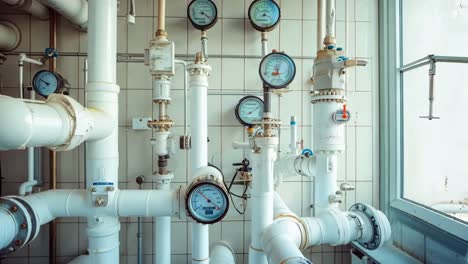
pixel 49 205
pixel 10 36
pixel 76 11
pixel 32 7
pixel 221 252
pixel 60 123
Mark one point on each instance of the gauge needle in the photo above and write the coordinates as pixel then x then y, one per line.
pixel 265 15
pixel 203 13
pixel 275 73
pixel 209 200
pixel 253 110
pixel 45 82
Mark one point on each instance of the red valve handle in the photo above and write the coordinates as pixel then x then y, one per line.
pixel 345 113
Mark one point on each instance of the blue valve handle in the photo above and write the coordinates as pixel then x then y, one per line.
pixel 307 152
pixel 51 53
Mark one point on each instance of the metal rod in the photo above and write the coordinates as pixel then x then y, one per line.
pixel 235 92
pixel 432 72
pixel 184 64
pixel 52 154
pixel 427 60
pixel 451 59
pixel 423 59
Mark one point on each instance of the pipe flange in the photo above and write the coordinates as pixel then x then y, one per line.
pixel 380 225
pixel 161 124
pixel 296 260
pixel 25 220
pixel 15 29
pixel 328 96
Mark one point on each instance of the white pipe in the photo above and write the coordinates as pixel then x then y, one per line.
pixel 9 228
pixel 199 153
pixel 320 23
pixel 325 182
pixel 162 234
pixel 32 7
pixel 76 11
pixel 330 17
pixel 82 259
pixel 10 36
pixel 221 252
pixel 161 15
pixel 184 65
pixel 60 123
pixel 262 195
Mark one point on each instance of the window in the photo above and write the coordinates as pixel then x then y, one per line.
pixel 434 153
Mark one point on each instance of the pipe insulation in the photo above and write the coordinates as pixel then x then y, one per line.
pixel 221 252
pixel 10 36
pixel 32 7
pixel 75 11
pixel 59 123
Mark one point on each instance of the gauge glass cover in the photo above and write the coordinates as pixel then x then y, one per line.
pixel 207 203
pixel 46 83
pixel 249 109
pixel 277 70
pixel 264 14
pixel 203 14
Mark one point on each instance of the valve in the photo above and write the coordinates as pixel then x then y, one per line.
pixel 50 53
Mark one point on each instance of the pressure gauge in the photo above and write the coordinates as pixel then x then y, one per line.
pixel 203 14
pixel 207 200
pixel 264 15
pixel 46 83
pixel 277 70
pixel 249 109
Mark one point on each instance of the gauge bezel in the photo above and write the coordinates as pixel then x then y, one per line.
pixel 243 122
pixel 194 186
pixel 269 85
pixel 60 82
pixel 261 28
pixel 198 26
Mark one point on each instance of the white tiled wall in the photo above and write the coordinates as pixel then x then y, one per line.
pixel 232 35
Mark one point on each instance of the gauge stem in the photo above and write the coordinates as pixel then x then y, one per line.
pixel 264 44
pixel 204 42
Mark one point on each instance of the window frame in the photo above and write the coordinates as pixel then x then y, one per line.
pixel 391 126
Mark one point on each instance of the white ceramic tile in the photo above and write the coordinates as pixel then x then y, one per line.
pixel 364 155
pixel 253 44
pixel 232 231
pixel 291 9
pixel 229 103
pixel 360 106
pixel 139 35
pixel 67 36
pixel 233 9
pixel 65 245
pixel 139 153
pixel 309 39
pixel 177 8
pixel 340 6
pixel 145 8
pixel 350 10
pixel 177 31
pixel 291 105
pixel 215 77
pixel 364 80
pixel 214 110
pixel 291 37
pixel 230 155
pixel 138 77
pixel 365 9
pixel 179 238
pixel 122 34
pixel 232 74
pixel 309 9
pixel 252 80
pixel 232 36
pixel 40 35
pixel 364 192
pixel 351 153
pixel 364 39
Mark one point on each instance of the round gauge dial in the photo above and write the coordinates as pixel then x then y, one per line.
pixel 207 202
pixel 264 15
pixel 203 14
pixel 249 109
pixel 46 83
pixel 277 70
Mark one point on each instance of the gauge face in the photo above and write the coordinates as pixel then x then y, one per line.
pixel 277 70
pixel 46 83
pixel 207 203
pixel 249 109
pixel 264 14
pixel 203 14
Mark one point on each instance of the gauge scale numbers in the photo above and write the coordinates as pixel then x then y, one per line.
pixel 264 14
pixel 277 70
pixel 208 204
pixel 203 14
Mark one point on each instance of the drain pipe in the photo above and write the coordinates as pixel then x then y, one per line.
pixel 10 36
pixel 32 7
pixel 199 72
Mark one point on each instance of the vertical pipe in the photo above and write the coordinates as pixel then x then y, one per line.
pixel 320 23
pixel 199 153
pixel 140 242
pixel 162 15
pixel 162 234
pixel 52 154
pixel 102 156
pixel 330 17
pixel 293 144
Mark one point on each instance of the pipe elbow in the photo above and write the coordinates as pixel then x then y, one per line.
pixel 16 119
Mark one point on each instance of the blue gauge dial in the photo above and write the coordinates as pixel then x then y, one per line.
pixel 207 203
pixel 249 109
pixel 277 70
pixel 203 14
pixel 46 83
pixel 264 15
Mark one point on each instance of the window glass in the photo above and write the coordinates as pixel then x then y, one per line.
pixel 435 152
